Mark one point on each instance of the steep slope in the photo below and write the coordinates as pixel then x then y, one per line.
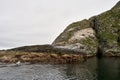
pixel 78 36
pixel 100 34
pixel 107 28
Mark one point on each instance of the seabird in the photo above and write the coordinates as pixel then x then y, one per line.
pixel 18 63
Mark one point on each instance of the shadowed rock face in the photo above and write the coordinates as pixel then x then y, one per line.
pixel 99 33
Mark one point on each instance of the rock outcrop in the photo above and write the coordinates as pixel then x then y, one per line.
pixel 78 36
pixel 99 35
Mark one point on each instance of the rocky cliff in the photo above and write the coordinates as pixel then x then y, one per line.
pixel 99 35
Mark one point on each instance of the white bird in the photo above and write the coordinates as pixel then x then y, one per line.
pixel 18 63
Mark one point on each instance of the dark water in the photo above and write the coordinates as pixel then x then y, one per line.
pixel 92 69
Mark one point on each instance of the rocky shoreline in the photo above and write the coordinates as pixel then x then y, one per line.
pixel 35 57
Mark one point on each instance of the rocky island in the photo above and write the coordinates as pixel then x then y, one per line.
pixel 98 36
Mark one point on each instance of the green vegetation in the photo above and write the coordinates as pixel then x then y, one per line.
pixel 107 32
pixel 79 25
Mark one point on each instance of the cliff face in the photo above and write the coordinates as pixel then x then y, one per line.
pixel 78 36
pixel 99 34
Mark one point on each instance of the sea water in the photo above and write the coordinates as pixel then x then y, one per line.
pixel 92 69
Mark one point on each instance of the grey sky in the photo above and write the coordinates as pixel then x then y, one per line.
pixel 31 22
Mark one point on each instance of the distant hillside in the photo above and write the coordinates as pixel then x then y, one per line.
pixel 45 49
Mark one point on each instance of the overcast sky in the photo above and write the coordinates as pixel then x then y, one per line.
pixel 31 22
